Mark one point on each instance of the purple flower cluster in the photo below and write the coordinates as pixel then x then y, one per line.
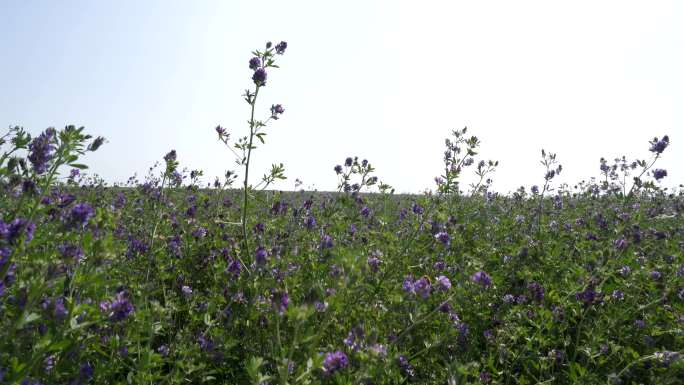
pixel 335 361
pixel 119 308
pixel 11 232
pixel 659 173
pixel 79 215
pixel 482 278
pixel 658 146
pixel 41 150
pixel 420 287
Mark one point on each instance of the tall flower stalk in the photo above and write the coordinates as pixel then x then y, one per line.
pixel 260 62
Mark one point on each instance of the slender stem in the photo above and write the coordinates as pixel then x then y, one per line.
pixel 246 182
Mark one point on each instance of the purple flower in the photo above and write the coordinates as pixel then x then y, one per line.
pixel 276 111
pixel 41 150
pixel 348 162
pixel 374 263
pixel 338 169
pixel 659 173
pixel 443 283
pixel 618 295
pixel 280 47
pixel 658 146
pixel 485 377
pixel 326 242
pixel 281 301
pixel 406 368
pixel 408 285
pixel 335 361
pixel 170 156
pixel 365 211
pixel 254 63
pixel 422 287
pixel 70 251
pixel 588 296
pixel 482 278
pixel 625 270
pixel 14 230
pixel 620 243
pixel 537 291
pixel 443 237
pixel 378 350
pixel 79 215
pixel 120 307
pixel 509 298
pixel 186 290
pixel 260 255
pixel 310 222
pixel 163 350
pixel 259 77
pixel 61 311
pixel 666 358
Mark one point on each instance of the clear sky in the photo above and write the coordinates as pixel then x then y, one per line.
pixel 384 80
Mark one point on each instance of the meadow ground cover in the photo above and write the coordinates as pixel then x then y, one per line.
pixel 169 281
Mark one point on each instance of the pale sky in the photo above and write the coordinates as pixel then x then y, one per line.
pixel 384 80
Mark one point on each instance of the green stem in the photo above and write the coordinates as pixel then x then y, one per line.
pixel 246 182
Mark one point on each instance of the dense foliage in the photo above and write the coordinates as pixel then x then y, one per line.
pixel 169 281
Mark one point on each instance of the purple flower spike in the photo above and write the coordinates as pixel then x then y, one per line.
pixel 335 361
pixel 259 77
pixel 481 278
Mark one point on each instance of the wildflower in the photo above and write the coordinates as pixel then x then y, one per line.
pixel 378 350
pixel 61 311
pixel 310 222
pixel 170 156
pixel 443 237
pixel 406 368
pixel 41 150
pixel 658 146
pixel 374 263
pixel 349 161
pixel 280 47
pixel 408 285
pixel 70 251
pixel 326 242
pixel 335 361
pixel 537 291
pixel 620 243
pixel 338 169
pixel 665 358
pixel 659 173
pixel 280 301
pixel 120 308
pixel 365 211
pixel 260 255
pixel 259 77
pixel 625 270
pixel 422 287
pixel 443 283
pixel 15 229
pixel 482 278
pixel 254 63
pixel 276 111
pixel 187 291
pixel 618 295
pixel 588 296
pixel 79 215
pixel 485 377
